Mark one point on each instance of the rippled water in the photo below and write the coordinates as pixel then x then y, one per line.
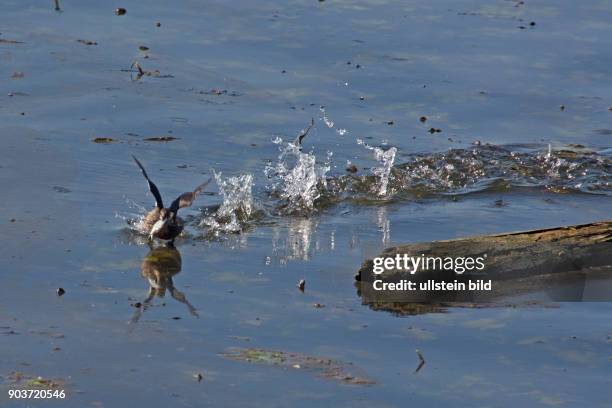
pixel 430 120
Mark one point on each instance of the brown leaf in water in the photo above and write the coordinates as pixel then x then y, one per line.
pixel 3 41
pixel 103 140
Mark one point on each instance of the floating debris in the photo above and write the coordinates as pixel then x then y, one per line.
pixel 160 139
pixel 61 189
pixel 18 379
pixel 423 119
pixel 5 41
pixel 500 203
pixel 140 72
pixel 421 361
pixel 87 42
pixel 219 92
pixel 136 65
pixel 323 367
pixel 351 168
pixel 103 140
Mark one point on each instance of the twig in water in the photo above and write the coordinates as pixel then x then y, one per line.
pixel 301 136
pixel 141 72
pixel 421 361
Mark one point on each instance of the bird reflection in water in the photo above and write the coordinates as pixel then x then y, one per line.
pixel 158 267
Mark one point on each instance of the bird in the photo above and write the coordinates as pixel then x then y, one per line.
pixel 161 222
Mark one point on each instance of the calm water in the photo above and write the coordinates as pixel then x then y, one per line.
pixel 232 79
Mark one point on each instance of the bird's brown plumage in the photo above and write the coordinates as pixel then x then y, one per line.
pixel 161 222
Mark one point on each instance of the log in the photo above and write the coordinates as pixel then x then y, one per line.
pixel 517 263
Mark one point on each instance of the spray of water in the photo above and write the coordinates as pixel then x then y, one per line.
pixel 134 217
pixel 296 177
pixel 385 158
pixel 469 170
pixel 237 206
pixel 330 123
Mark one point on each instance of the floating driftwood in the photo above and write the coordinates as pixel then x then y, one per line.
pixel 567 264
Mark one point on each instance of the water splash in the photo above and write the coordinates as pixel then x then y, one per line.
pixel 134 217
pixel 467 170
pixel 299 184
pixel 328 122
pixel 297 178
pixel 237 206
pixel 382 173
pixel 134 233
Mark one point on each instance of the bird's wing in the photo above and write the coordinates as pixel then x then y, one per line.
pixel 158 200
pixel 185 199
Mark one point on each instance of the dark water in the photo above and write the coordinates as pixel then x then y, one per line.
pixel 233 77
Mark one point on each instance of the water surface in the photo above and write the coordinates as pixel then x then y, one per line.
pixel 524 118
